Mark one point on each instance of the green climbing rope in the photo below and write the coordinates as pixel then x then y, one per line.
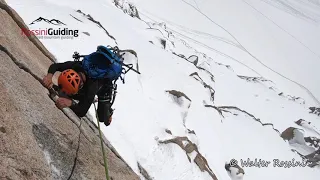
pixel 102 147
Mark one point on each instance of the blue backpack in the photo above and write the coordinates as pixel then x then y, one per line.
pixel 104 63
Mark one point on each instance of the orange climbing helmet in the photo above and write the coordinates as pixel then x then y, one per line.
pixel 69 82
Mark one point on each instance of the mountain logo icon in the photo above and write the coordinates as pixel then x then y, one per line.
pixel 52 21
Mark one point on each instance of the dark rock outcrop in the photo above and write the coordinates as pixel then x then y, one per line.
pixel 191 131
pixel 313 142
pixel 253 79
pixel 89 17
pixel 205 85
pixel 301 122
pixel 180 55
pixel 292 98
pixel 266 83
pixel 216 108
pixel 313 159
pixel 288 134
pixel 190 147
pixel 229 109
pixel 127 7
pixel 168 131
pixel 315 110
pixel 163 42
pixel 76 18
pixel 178 94
pixel 86 33
pixel 183 101
pixel 194 59
pixel 232 166
pixel 144 172
pixel 293 135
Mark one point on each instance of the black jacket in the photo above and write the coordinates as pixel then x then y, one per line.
pixel 87 93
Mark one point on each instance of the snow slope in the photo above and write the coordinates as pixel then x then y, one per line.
pixel 285 42
pixel 253 59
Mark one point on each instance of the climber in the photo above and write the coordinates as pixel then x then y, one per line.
pixel 74 84
pixel 82 80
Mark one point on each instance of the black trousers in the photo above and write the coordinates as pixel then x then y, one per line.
pixel 105 95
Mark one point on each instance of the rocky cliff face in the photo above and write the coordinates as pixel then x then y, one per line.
pixel 37 140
